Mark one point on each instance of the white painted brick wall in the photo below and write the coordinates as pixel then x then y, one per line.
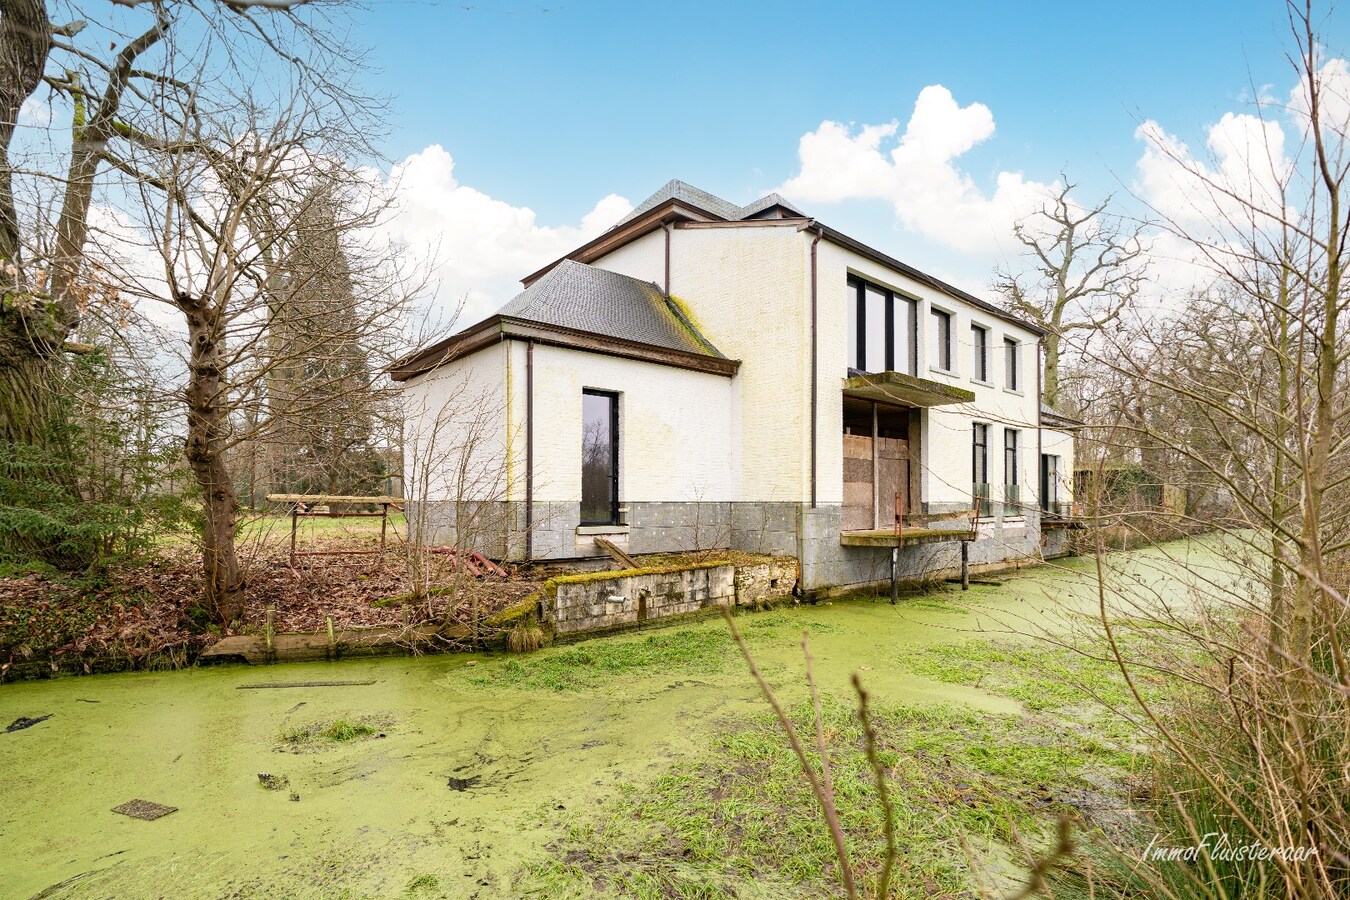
pixel 644 258
pixel 948 429
pixel 674 427
pixel 455 421
pixel 746 290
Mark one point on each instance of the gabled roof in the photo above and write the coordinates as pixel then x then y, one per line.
pixel 585 298
pixel 682 205
pixel 724 209
pixel 585 308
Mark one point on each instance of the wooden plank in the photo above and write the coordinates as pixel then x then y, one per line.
pixel 616 554
pixel 330 498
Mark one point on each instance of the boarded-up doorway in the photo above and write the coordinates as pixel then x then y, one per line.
pixel 876 470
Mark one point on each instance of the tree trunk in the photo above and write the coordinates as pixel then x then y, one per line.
pixel 29 407
pixel 1050 376
pixel 25 41
pixel 208 429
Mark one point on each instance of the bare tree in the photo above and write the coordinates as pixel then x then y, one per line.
pixel 1085 267
pixel 116 93
pixel 1248 389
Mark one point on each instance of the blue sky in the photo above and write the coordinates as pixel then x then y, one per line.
pixel 553 106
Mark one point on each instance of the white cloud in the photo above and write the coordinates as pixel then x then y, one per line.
pixel 1245 167
pixel 919 174
pixel 480 246
pixel 35 112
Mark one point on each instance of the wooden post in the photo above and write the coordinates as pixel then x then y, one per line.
pixel 895 575
pixel 295 524
pixel 965 565
pixel 384 525
pixel 270 632
pixel 876 482
pixel 332 640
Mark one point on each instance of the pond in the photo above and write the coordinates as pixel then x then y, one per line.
pixel 440 771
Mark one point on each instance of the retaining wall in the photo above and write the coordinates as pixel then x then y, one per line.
pixel 602 601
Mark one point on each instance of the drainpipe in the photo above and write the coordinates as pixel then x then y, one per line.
pixel 529 451
pixel 815 374
pixel 1040 461
pixel 666 228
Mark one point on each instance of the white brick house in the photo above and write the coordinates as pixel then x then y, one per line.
pixel 707 375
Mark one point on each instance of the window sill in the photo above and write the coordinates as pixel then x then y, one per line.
pixel 603 529
pixel 979 383
pixel 1014 392
pixel 950 373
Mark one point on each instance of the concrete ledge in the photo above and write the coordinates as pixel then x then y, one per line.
pixel 885 537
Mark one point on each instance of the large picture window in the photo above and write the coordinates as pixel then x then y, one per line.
pixel 881 329
pixel 599 458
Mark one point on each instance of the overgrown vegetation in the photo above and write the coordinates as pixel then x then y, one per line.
pixel 975 794
pixel 338 731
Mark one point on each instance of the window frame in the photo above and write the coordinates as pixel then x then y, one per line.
pixel 613 397
pixel 979 460
pixel 1012 364
pixel 942 344
pixel 1050 482
pixel 896 304
pixel 1012 451
pixel 979 352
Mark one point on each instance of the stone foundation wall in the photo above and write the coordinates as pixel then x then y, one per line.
pixel 600 601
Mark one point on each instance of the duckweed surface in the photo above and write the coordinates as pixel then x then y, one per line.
pixel 489 763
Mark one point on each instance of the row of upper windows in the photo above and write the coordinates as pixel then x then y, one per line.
pixel 883 336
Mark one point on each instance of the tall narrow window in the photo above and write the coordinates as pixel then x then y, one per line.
pixel 851 303
pixel 599 458
pixel 979 468
pixel 1012 490
pixel 979 344
pixel 1012 377
pixel 906 336
pixel 940 340
pixel 1049 483
pixel 876 304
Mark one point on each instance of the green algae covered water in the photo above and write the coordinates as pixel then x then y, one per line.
pixel 450 792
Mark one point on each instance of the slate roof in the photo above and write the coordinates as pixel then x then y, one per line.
pixel 1050 412
pixel 585 298
pixel 687 193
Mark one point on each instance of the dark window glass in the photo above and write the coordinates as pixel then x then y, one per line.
pixel 599 458
pixel 906 336
pixel 883 329
pixel 980 455
pixel 979 475
pixel 1049 482
pixel 853 299
pixel 941 339
pixel 1009 456
pixel 1012 375
pixel 979 340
